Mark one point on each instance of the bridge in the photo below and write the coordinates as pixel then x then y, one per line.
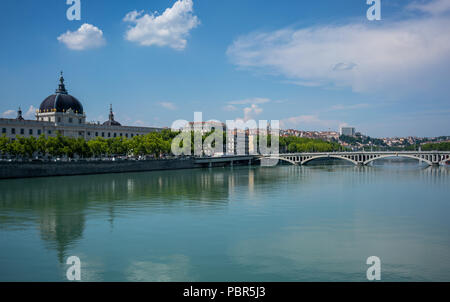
pixel 360 158
pixel 363 158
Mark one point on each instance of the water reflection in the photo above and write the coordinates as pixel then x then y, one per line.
pixel 285 217
pixel 58 206
pixel 166 269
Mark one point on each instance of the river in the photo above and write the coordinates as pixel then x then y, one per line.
pixel 285 223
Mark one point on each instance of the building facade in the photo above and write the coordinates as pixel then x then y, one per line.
pixel 64 114
pixel 348 131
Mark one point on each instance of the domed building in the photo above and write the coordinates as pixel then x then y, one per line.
pixel 61 100
pixel 111 121
pixel 63 113
pixel 61 107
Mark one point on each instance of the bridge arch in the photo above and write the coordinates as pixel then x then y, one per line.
pixel 329 156
pixel 280 158
pixel 398 155
pixel 445 161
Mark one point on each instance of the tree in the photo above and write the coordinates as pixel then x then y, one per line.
pixel 4 141
pixel 41 144
pixel 53 146
pixel 294 144
pixel 98 146
pixel 153 143
pixel 30 146
pixel 443 146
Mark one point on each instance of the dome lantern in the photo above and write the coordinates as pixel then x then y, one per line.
pixel 61 87
pixel 111 121
pixel 19 114
pixel 61 100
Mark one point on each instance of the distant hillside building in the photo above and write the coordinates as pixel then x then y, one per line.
pixel 348 131
pixel 63 113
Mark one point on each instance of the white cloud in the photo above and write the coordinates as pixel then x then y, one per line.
pixel 230 108
pixel 251 107
pixel 308 122
pixel 306 83
pixel 140 123
pixel 9 114
pixel 349 107
pixel 250 101
pixel 30 113
pixel 308 119
pixel 252 111
pixel 435 7
pixel 344 66
pixel 168 105
pixel 86 37
pixel 169 29
pixel 400 57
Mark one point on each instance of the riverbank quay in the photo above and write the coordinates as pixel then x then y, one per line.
pixel 31 169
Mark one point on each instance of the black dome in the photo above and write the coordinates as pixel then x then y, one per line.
pixel 61 102
pixel 111 123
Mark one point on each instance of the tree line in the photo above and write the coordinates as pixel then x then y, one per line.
pixel 443 146
pixel 155 144
pixel 293 144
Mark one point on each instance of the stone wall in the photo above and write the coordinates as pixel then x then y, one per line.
pixel 44 169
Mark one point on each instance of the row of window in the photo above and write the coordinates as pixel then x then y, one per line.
pixel 22 131
pixel 70 120
pixel 109 134
pixel 59 120
pixel 39 132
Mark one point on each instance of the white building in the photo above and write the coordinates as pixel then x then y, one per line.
pixel 64 114
pixel 348 131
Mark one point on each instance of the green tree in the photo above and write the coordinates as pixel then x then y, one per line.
pixel 41 144
pixel 4 141
pixel 98 146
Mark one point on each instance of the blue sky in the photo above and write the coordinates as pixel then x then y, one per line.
pixel 313 65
